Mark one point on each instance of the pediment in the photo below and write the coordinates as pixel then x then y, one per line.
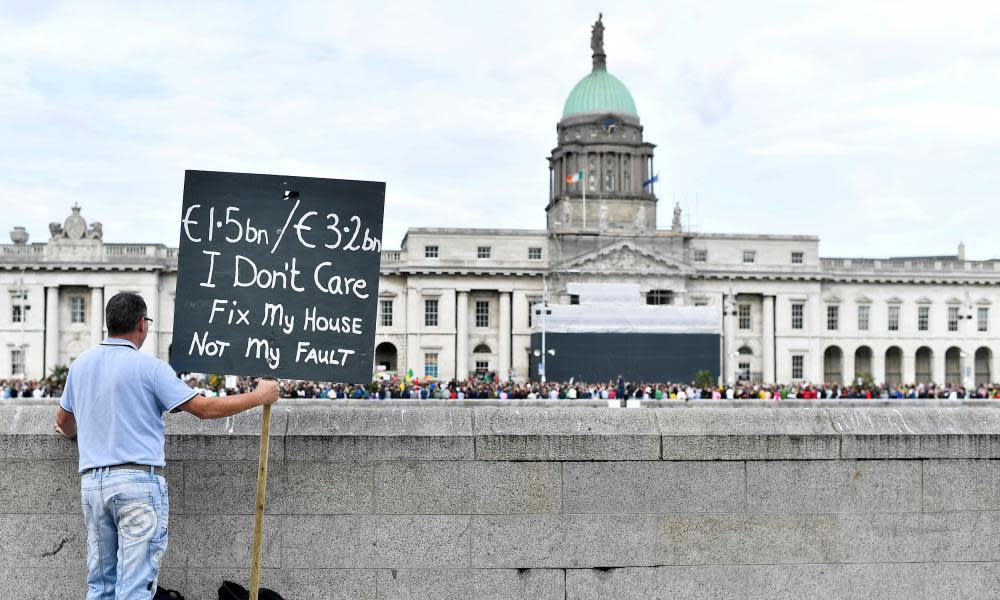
pixel 924 300
pixel 984 302
pixel 894 300
pixel 626 258
pixel 831 299
pixel 863 300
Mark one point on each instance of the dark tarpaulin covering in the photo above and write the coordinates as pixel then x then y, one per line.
pixel 650 357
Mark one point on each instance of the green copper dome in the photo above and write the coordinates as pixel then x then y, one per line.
pixel 599 92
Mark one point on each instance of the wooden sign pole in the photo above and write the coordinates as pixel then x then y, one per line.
pixel 258 518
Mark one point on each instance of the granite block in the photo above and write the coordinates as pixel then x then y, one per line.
pixel 295 487
pixel 467 487
pixel 876 581
pixel 710 582
pixel 961 485
pixel 563 541
pixel 653 487
pixel 919 537
pixel 464 584
pixel 918 432
pixel 324 542
pixel 43 541
pixel 693 539
pixel 747 434
pixel 961 581
pixel 40 486
pixel 552 434
pixel 220 541
pixel 293 584
pixel 833 486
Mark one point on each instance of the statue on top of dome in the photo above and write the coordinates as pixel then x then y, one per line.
pixel 597 43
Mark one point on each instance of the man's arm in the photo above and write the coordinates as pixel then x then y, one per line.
pixel 227 406
pixel 66 423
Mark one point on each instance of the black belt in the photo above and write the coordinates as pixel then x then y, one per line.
pixel 130 466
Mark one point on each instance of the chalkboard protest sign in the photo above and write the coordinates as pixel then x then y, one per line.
pixel 277 276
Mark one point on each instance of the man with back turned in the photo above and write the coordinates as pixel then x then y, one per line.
pixel 114 399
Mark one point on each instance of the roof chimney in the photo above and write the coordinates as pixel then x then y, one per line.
pixel 961 251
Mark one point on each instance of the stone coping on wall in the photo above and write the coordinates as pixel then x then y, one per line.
pixel 315 431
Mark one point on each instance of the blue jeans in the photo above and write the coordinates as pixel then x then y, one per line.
pixel 126 515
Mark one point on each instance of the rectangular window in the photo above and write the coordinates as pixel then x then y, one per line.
pixel 743 371
pixel 19 307
pixel 17 362
pixel 574 298
pixel 483 252
pixel 797 258
pixel 797 362
pixel 982 319
pixel 893 318
pixel 923 318
pixel 700 256
pixel 430 251
pixel 832 318
pixel 952 318
pixel 77 310
pixel 659 297
pixel 534 254
pixel 430 364
pixel 798 315
pixel 430 313
pixel 749 256
pixel 482 313
pixel 863 313
pixel 700 302
pixel 386 306
pixel 482 367
pixel 743 314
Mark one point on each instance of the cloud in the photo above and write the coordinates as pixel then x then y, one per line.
pixel 779 116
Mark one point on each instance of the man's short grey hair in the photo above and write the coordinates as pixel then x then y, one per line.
pixel 123 313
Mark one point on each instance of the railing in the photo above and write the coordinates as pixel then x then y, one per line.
pixel 391 256
pixel 99 253
pixel 129 250
pixel 909 265
pixel 32 250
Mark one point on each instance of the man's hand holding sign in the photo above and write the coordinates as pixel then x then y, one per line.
pixel 277 277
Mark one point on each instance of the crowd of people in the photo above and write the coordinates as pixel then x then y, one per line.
pixel 483 387
pixel 490 388
pixel 28 388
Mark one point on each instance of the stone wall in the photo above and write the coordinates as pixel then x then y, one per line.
pixel 545 503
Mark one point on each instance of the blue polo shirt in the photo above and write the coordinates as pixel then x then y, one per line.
pixel 118 396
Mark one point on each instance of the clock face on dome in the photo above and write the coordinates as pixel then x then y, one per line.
pixel 609 124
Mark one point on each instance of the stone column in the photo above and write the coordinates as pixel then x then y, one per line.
pixel 847 364
pixel 878 364
pixel 96 315
pixel 909 367
pixel 937 364
pixel 504 367
pixel 729 336
pixel 767 353
pixel 51 329
pixel 462 335
pixel 414 324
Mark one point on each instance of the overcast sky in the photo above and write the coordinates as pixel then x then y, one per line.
pixel 873 124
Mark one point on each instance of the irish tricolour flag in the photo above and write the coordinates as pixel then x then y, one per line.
pixel 575 177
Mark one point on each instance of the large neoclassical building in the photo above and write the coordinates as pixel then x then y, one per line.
pixel 454 301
